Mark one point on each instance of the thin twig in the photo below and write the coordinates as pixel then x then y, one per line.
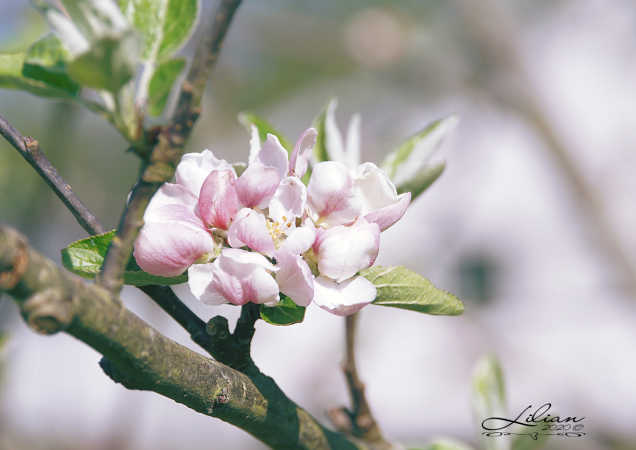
pixel 159 166
pixel 30 150
pixel 358 420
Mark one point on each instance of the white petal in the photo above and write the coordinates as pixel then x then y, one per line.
pixel 288 202
pixel 199 280
pixel 330 193
pixel 232 258
pixel 250 228
pixel 273 154
pixel 194 168
pixel 352 154
pixel 255 144
pixel 168 194
pixel 374 187
pixel 345 250
pixel 300 239
pixel 260 287
pixel 295 278
pixel 334 144
pixel 343 298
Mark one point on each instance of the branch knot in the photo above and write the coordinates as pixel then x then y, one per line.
pixel 48 311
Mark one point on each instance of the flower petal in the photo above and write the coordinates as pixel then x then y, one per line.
pixel 300 239
pixel 343 298
pixel 194 168
pixel 352 152
pixel 256 186
pixel 295 278
pixel 288 201
pixel 274 155
pixel 374 187
pixel 250 228
pixel 218 201
pixel 168 194
pixel 260 287
pixel 344 250
pixel 200 278
pixel 334 143
pixel 387 216
pixel 236 260
pixel 330 194
pixel 168 248
pixel 302 152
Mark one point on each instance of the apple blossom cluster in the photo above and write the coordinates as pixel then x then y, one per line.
pixel 250 236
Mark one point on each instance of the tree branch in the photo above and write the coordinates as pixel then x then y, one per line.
pixel 159 166
pixel 357 421
pixel 30 150
pixel 139 357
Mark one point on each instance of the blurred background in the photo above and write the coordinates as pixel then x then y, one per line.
pixel 532 224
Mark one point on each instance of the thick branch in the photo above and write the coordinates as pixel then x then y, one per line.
pixel 358 420
pixel 159 166
pixel 139 357
pixel 29 148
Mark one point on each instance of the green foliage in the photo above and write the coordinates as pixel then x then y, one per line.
pixel 400 287
pixel 407 165
pixel 108 65
pixel 161 84
pixel 285 312
pixel 264 128
pixel 46 61
pixel 320 149
pixel 165 25
pixel 422 180
pixel 447 444
pixel 489 396
pixel 86 256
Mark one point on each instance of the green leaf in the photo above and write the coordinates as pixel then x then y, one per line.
pixel 108 65
pixel 400 287
pixel 11 77
pixel 489 396
pixel 264 128
pixel 164 24
pixel 447 444
pixel 320 149
pixel 422 180
pixel 286 312
pixel 411 157
pixel 86 256
pixel 46 61
pixel 161 84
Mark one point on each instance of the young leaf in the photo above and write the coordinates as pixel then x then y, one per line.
pixel 108 65
pixel 408 159
pixel 11 77
pixel 86 256
pixel 447 444
pixel 164 24
pixel 400 287
pixel 422 180
pixel 285 312
pixel 46 61
pixel 489 396
pixel 264 128
pixel 320 149
pixel 161 84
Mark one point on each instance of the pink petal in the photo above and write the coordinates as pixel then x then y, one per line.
pixel 343 298
pixel 241 262
pixel 345 250
pixel 302 151
pixel 288 201
pixel 387 216
pixel 218 201
pixel 168 194
pixel 330 193
pixel 169 248
pixel 194 168
pixel 295 278
pixel 250 228
pixel 374 187
pixel 260 287
pixel 274 155
pixel 256 186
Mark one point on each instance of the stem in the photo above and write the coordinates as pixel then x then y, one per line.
pixel 30 150
pixel 159 166
pixel 358 420
pixel 139 357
